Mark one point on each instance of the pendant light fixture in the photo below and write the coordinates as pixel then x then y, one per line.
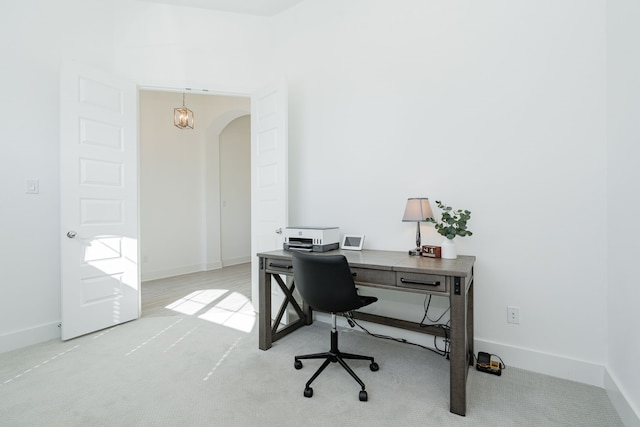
pixel 183 117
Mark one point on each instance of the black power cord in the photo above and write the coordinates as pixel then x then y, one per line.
pixel 434 323
pixel 426 304
pixel 353 322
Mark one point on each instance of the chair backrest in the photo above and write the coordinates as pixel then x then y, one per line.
pixel 325 282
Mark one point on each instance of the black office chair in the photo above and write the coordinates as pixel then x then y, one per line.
pixel 325 282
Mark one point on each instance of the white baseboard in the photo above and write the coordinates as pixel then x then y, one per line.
pixel 214 265
pixel 161 274
pixel 25 337
pixel 629 416
pixel 545 363
pixel 236 261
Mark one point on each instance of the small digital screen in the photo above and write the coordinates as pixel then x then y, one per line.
pixel 352 241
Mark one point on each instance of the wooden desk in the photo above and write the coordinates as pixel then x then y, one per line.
pixel 386 270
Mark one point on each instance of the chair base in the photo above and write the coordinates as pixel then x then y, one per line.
pixel 332 356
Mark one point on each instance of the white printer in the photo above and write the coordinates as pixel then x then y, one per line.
pixel 311 239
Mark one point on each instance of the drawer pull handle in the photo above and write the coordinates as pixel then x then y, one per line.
pixel 288 267
pixel 420 282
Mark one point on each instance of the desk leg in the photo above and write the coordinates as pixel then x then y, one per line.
pixel 264 307
pixel 470 333
pixel 458 367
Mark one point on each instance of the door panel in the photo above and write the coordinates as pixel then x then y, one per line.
pixel 98 198
pixel 269 185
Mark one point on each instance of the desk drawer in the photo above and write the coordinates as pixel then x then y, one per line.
pixel 427 282
pixel 279 266
pixel 377 277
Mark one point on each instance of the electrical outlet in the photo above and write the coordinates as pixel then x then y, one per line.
pixel 32 186
pixel 513 315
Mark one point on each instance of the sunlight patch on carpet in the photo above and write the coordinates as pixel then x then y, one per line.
pixel 235 311
pixel 196 301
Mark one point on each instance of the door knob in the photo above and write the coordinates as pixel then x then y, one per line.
pixel 279 231
pixel 71 234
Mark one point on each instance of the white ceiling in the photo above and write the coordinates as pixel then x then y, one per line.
pixel 249 7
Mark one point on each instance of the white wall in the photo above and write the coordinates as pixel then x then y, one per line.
pixel 623 206
pixel 35 36
pixel 166 46
pixel 180 185
pixel 494 107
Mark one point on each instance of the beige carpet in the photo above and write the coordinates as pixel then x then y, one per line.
pixel 182 370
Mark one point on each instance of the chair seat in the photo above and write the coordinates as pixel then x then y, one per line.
pixel 366 300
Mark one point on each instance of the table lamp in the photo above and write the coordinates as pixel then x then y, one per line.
pixel 418 209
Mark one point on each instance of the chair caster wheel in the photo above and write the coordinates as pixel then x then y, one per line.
pixel 308 392
pixel 363 396
pixel 374 366
pixel 297 364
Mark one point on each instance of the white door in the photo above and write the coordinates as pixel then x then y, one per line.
pixel 98 200
pixel 269 185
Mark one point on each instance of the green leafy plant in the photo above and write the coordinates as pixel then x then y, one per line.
pixel 453 223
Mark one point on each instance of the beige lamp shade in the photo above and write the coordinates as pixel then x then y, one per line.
pixel 417 209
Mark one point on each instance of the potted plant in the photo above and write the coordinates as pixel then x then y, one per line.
pixel 453 223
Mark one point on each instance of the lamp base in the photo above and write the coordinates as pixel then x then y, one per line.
pixel 414 252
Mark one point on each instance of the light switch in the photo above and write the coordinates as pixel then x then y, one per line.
pixel 32 187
